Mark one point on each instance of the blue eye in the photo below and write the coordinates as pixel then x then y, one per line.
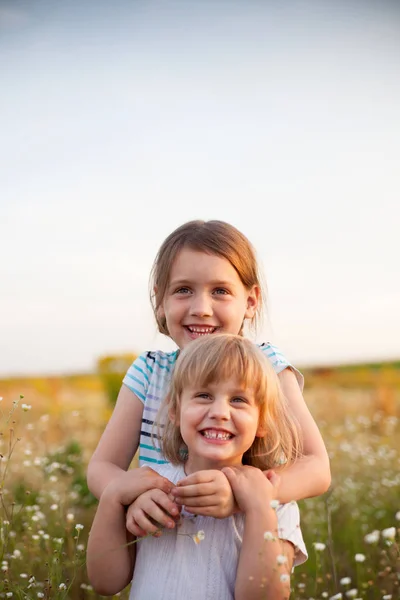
pixel 203 395
pixel 238 400
pixel 221 292
pixel 182 290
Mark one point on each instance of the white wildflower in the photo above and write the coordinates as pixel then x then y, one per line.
pixel 319 546
pixel 281 559
pixel 389 533
pixel 345 581
pixel 79 527
pixel 54 507
pixel 352 593
pixel 274 504
pixel 284 578
pixel 26 407
pixel 62 586
pixel 269 536
pixel 70 517
pixel 198 537
pixel 372 538
pixel 359 557
pixel 336 596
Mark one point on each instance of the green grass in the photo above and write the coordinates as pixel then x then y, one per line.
pixel 44 497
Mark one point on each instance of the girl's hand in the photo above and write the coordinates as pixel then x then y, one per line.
pixel 131 484
pixel 251 488
pixel 150 512
pixel 206 493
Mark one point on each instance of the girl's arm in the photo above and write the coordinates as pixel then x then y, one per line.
pixel 264 564
pixel 118 443
pixel 310 475
pixel 110 562
pixel 260 573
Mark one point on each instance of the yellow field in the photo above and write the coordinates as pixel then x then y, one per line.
pixel 46 448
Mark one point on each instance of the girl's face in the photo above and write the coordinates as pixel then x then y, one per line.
pixel 205 295
pixel 218 423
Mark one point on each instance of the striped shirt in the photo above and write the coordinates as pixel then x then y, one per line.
pixel 149 377
pixel 174 566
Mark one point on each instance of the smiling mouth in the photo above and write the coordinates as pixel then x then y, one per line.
pixel 216 434
pixel 201 330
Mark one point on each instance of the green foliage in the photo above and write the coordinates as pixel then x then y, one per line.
pixel 112 370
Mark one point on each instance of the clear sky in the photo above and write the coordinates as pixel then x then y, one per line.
pixel 121 120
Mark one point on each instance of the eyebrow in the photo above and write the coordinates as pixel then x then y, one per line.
pixel 191 281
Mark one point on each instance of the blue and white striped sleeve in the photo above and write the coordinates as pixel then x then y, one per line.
pixel 137 378
pixel 280 362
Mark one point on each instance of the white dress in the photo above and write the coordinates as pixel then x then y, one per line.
pixel 174 566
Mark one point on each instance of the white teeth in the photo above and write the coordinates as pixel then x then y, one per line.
pixel 202 330
pixel 217 435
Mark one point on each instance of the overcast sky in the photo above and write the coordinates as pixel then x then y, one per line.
pixel 121 120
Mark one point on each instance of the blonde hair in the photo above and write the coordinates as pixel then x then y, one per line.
pixel 219 357
pixel 212 237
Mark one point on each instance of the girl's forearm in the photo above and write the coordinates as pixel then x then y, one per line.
pixel 99 475
pixel 307 477
pixel 110 561
pixel 259 572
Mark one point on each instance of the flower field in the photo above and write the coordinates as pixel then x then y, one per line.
pixel 48 434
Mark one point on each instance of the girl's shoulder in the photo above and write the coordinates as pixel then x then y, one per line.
pixel 156 360
pixel 149 369
pixel 275 356
pixel 279 361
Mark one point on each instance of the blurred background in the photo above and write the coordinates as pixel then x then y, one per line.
pixel 120 121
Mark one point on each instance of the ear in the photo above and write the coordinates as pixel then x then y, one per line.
pixel 261 430
pixel 160 309
pixel 252 302
pixel 173 417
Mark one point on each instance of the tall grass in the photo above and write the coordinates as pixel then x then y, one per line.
pixel 46 509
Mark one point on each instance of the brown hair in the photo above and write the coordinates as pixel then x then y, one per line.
pixel 215 358
pixel 212 237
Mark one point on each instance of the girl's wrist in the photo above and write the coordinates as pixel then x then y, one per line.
pixel 265 514
pixel 111 494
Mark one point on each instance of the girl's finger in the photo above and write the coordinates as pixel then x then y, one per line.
pixel 133 528
pixel 196 478
pixel 204 511
pixel 231 474
pixel 198 489
pixel 211 500
pixel 144 523
pixel 156 514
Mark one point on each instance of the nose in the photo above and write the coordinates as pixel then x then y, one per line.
pixel 220 410
pixel 201 305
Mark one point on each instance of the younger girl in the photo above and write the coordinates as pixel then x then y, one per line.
pixel 224 412
pixel 204 281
